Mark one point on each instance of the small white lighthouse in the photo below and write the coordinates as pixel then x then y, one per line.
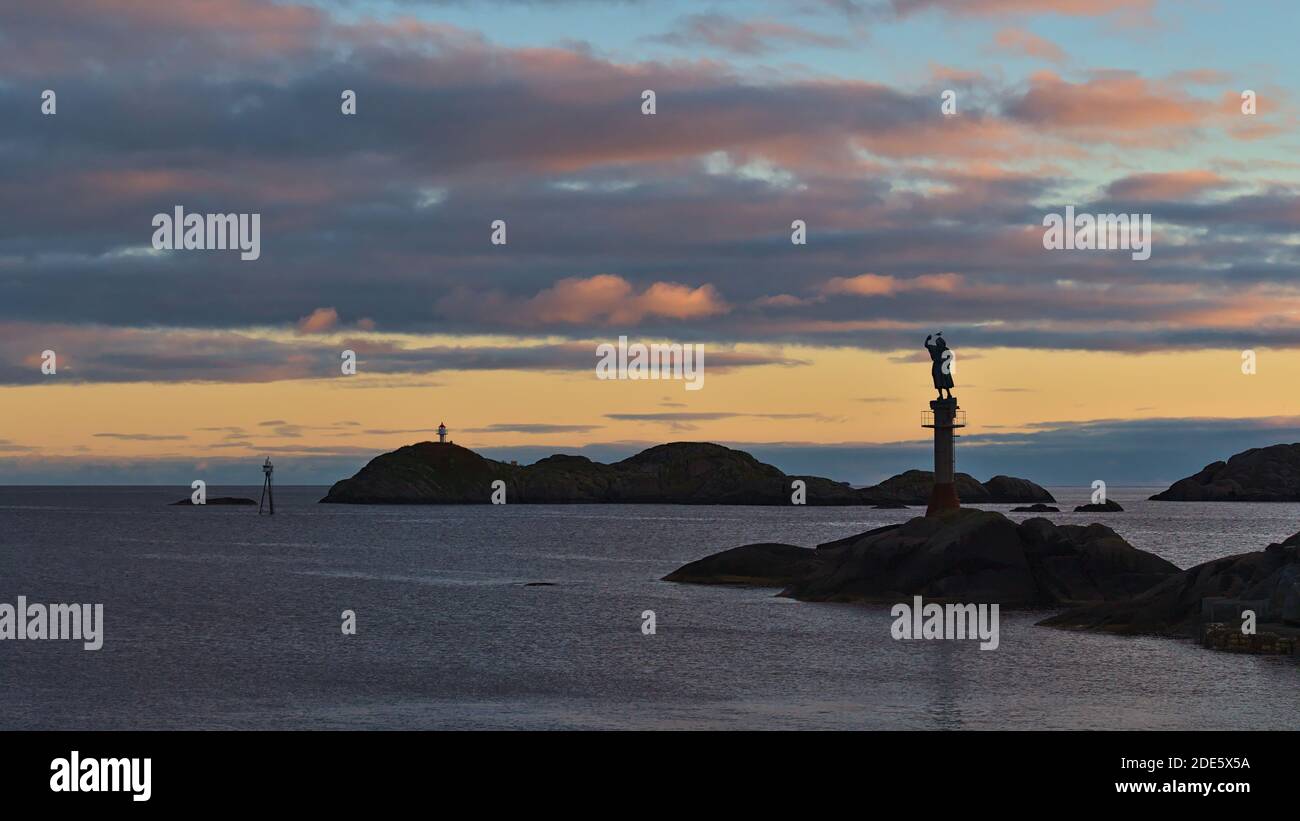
pixel 442 433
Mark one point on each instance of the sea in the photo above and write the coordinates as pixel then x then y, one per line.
pixel 535 617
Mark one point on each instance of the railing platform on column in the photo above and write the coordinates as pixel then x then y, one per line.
pixel 958 420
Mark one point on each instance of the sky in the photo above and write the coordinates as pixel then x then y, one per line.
pixel 671 227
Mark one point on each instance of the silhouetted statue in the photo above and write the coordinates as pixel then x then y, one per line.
pixel 941 364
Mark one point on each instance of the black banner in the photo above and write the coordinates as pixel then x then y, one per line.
pixel 332 770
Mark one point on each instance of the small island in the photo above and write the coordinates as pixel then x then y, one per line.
pixel 1106 584
pixel 690 473
pixel 1108 506
pixel 963 556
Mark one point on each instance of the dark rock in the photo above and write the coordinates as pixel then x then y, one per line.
pixel 848 540
pixel 913 488
pixel 1007 489
pixel 967 556
pixel 1270 474
pixel 889 506
pixel 219 500
pixel 1036 509
pixel 1108 506
pixel 1267 579
pixel 762 565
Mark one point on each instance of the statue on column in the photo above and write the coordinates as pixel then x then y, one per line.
pixel 941 364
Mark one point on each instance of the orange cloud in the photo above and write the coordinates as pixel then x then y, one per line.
pixel 320 321
pixel 880 285
pixel 604 298
pixel 1119 107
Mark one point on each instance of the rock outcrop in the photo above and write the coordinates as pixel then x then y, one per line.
pixel 913 488
pixel 966 556
pixel 676 473
pixel 1108 506
pixel 1011 489
pixel 762 565
pixel 1270 474
pixel 1266 581
pixel 1040 508
pixel 219 500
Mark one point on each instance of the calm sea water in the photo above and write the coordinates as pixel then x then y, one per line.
pixel 216 618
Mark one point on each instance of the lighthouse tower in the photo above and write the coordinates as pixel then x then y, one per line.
pixel 442 433
pixel 945 417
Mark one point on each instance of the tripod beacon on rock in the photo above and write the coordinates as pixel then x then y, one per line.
pixel 267 495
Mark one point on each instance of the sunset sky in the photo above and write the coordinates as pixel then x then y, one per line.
pixel 672 227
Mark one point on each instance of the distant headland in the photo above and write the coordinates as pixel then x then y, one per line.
pixel 1270 474
pixel 693 473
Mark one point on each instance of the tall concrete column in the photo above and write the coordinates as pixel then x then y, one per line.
pixel 945 421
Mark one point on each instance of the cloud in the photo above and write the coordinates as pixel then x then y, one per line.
pixel 1167 185
pixel 705 416
pixel 747 37
pixel 878 285
pixel 1114 106
pixel 668 227
pixel 532 428
pixel 162 355
pixel 604 299
pixel 1025 43
pixel 1000 8
pixel 319 321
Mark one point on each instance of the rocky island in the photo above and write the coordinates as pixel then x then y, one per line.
pixel 913 488
pixel 675 473
pixel 1270 474
pixel 963 556
pixel 1108 506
